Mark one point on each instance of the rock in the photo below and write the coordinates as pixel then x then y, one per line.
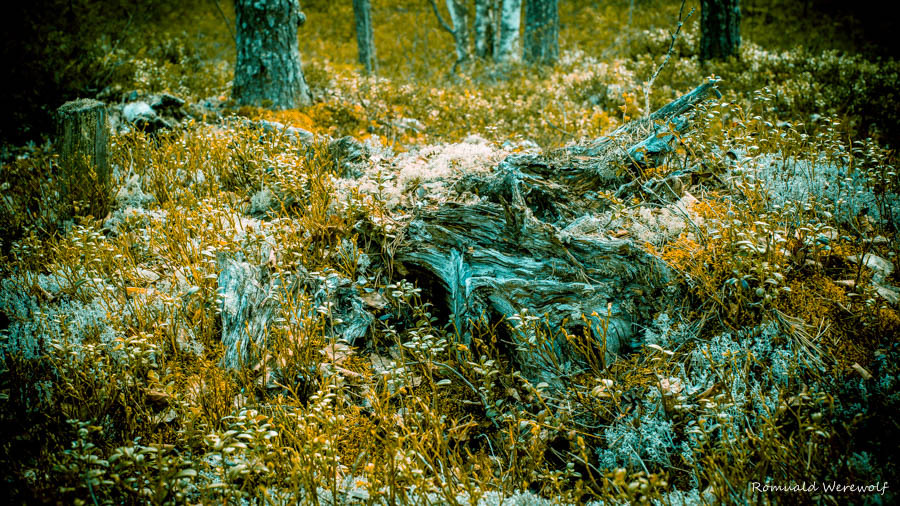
pixel 407 124
pixel 143 117
pixel 146 275
pixel 165 104
pixel 208 109
pixel 881 268
pixel 293 133
pixel 521 146
pixel 889 294
pixel 137 110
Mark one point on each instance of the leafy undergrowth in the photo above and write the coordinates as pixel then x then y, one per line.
pixel 779 366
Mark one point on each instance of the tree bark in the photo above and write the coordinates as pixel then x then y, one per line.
pixel 268 72
pixel 720 26
pixel 542 31
pixel 459 17
pixel 83 143
pixel 508 49
pixel 365 39
pixel 484 28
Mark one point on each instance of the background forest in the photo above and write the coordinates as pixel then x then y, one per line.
pixel 750 333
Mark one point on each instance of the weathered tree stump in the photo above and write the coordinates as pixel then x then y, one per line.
pixel 515 243
pixel 83 145
pixel 513 252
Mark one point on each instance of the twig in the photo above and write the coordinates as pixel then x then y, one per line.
pixel 225 19
pixel 556 127
pixel 668 55
pixel 444 24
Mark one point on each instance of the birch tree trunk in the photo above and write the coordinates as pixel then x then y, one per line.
pixel 459 17
pixel 507 49
pixel 720 27
pixel 542 31
pixel 365 39
pixel 484 28
pixel 267 72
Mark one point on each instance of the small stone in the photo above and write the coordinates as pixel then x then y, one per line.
pixel 374 300
pixel 405 124
pixel 881 267
pixel 147 275
pixel 166 104
pixel 888 294
pixel 138 110
pixel 142 116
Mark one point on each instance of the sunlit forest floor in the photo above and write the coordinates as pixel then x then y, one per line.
pixel 775 362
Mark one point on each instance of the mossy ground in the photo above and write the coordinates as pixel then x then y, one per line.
pixel 780 364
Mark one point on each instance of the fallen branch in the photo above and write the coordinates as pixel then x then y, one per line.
pixel 649 84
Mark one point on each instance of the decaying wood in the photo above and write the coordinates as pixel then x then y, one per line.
pixel 599 163
pixel 637 131
pixel 521 247
pixel 498 258
pixel 83 144
pixel 253 297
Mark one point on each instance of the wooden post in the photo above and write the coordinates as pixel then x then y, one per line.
pixel 83 144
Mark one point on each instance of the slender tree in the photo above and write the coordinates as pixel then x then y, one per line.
pixel 268 72
pixel 484 28
pixel 458 27
pixel 507 48
pixel 541 31
pixel 365 40
pixel 720 29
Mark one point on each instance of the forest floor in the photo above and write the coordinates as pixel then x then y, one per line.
pixel 761 353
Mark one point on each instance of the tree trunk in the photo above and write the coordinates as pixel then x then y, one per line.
pixel 268 72
pixel 542 31
pixel 459 17
pixel 720 25
pixel 484 28
pixel 507 49
pixel 365 40
pixel 83 143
